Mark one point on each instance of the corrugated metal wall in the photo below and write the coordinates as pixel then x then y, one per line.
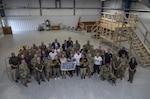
pixel 32 23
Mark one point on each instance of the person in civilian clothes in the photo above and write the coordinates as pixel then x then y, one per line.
pixel 83 65
pixel 123 51
pixel 55 43
pixel 56 67
pixel 13 61
pixel 97 63
pixel 108 57
pixel 48 51
pixel 63 59
pixel 69 42
pixel 43 56
pixel 77 57
pixel 52 54
pixel 39 70
pixel 64 45
pixel 132 69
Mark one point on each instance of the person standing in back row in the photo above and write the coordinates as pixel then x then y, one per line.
pixel 69 42
pixel 55 44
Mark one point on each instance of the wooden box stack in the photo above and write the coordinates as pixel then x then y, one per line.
pixel 55 27
pixel 7 30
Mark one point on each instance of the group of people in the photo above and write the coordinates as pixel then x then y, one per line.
pixel 45 62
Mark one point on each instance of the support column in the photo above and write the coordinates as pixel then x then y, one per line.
pixel 57 1
pixel 127 6
pixel 2 12
pixel 102 5
pixel 40 5
pixel 74 7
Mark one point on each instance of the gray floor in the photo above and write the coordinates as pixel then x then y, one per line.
pixel 71 88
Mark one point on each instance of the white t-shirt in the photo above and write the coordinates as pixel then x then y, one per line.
pixel 57 50
pixel 52 55
pixel 97 60
pixel 77 58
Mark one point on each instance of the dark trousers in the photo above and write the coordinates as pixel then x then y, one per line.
pixel 96 68
pixel 77 69
pixel 70 73
pixel 131 75
pixel 40 75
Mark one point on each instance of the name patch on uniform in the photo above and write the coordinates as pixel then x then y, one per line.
pixel 68 66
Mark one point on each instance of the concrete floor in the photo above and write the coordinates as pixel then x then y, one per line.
pixel 71 88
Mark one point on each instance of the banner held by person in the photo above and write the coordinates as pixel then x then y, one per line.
pixel 68 66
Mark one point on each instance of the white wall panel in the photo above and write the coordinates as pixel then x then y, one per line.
pixel 20 3
pixel 21 12
pixel 57 12
pixel 113 4
pixel 88 3
pixel 87 12
pixel 31 23
pixel 48 3
pixel 67 3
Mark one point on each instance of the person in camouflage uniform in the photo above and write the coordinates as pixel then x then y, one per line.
pixel 33 62
pixel 76 46
pixel 117 68
pixel 124 63
pixel 91 64
pixel 39 70
pixel 24 72
pixel 106 72
pixel 48 68
pixel 88 45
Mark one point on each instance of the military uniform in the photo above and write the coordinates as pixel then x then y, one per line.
pixel 90 66
pixel 33 62
pixel 118 71
pixel 39 71
pixel 24 73
pixel 124 62
pixel 76 47
pixel 13 61
pixel 48 68
pixel 106 73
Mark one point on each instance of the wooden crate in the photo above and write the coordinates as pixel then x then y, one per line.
pixel 7 30
pixel 55 27
pixel 88 25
